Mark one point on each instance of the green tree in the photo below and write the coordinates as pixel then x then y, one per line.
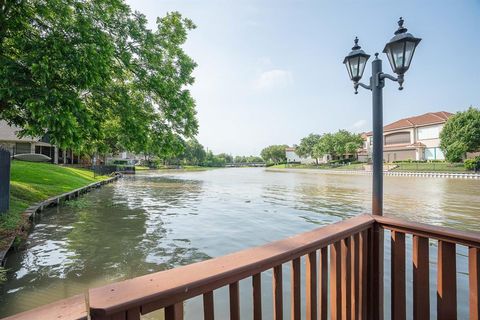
pixel 71 68
pixel 306 148
pixel 274 153
pixel 461 134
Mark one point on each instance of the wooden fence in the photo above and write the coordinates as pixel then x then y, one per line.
pixel 343 278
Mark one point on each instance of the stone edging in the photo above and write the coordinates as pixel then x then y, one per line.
pixel 38 207
pixel 386 173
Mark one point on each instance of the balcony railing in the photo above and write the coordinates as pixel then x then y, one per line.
pixel 343 277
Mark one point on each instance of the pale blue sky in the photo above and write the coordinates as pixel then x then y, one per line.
pixel 271 72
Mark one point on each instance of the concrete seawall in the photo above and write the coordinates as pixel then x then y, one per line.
pixel 386 173
pixel 38 207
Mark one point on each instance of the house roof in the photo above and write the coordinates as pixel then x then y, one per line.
pixel 289 149
pixel 9 133
pixel 417 121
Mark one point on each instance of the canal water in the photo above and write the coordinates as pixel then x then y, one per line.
pixel 158 220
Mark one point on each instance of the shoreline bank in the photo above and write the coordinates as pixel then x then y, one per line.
pixel 38 192
pixel 385 173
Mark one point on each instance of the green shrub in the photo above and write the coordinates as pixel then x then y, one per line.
pixel 472 164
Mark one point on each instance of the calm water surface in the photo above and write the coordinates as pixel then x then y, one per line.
pixel 158 220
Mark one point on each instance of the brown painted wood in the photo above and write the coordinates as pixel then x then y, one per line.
pixel 257 296
pixel 355 276
pixel 277 293
pixel 169 287
pixel 467 238
pixel 133 314
pixel 119 316
pixel 174 311
pixel 295 302
pixel 73 308
pixel 311 295
pixel 369 278
pixel 335 281
pixel 446 282
pixel 345 279
pixel 377 272
pixel 397 276
pixel 323 283
pixel 474 282
pixel 234 301
pixel 208 306
pixel 362 279
pixel 421 278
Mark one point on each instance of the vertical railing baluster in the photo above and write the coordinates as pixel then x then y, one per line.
pixel 446 282
pixel 133 314
pixel 421 278
pixel 369 279
pixel 354 276
pixel 257 296
pixel 474 282
pixel 277 293
pixel 335 281
pixel 346 281
pixel 323 283
pixel 295 290
pixel 362 278
pixel 174 311
pixel 397 275
pixel 234 301
pixel 311 277
pixel 208 306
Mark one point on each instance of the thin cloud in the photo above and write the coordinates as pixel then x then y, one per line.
pixel 275 78
pixel 360 124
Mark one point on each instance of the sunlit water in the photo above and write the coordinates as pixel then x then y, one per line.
pixel 158 220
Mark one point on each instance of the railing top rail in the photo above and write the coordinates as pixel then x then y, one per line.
pixel 467 238
pixel 158 290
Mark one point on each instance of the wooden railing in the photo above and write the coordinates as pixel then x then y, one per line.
pixel 343 268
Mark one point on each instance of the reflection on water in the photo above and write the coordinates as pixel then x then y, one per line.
pixel 158 220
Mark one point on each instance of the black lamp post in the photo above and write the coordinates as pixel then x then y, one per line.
pixel 399 50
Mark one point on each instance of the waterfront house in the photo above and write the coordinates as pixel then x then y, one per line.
pixel 293 157
pixel 11 141
pixel 413 138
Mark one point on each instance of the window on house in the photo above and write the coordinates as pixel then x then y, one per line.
pixel 397 138
pixel 22 148
pixel 429 132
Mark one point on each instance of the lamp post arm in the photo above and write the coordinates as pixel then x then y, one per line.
pixel 398 79
pixel 359 84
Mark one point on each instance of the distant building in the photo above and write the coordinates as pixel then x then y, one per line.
pixel 10 141
pixel 292 156
pixel 414 138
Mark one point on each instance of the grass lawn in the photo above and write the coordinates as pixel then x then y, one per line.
pixel 32 182
pixel 431 167
pixel 356 166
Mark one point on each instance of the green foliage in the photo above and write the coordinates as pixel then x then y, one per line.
pixel 472 164
pixel 274 153
pixel 3 275
pixel 33 182
pixel 306 148
pixel 93 77
pixel 248 159
pixel 461 134
pixel 338 143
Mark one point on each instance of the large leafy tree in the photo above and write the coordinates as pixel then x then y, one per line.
pixel 274 153
pixel 461 134
pixel 92 76
pixel 306 148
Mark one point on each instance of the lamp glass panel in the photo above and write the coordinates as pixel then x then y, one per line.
pixel 354 62
pixel 409 49
pixel 397 54
pixel 347 65
pixel 362 63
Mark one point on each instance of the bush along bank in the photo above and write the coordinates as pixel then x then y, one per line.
pixel 35 186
